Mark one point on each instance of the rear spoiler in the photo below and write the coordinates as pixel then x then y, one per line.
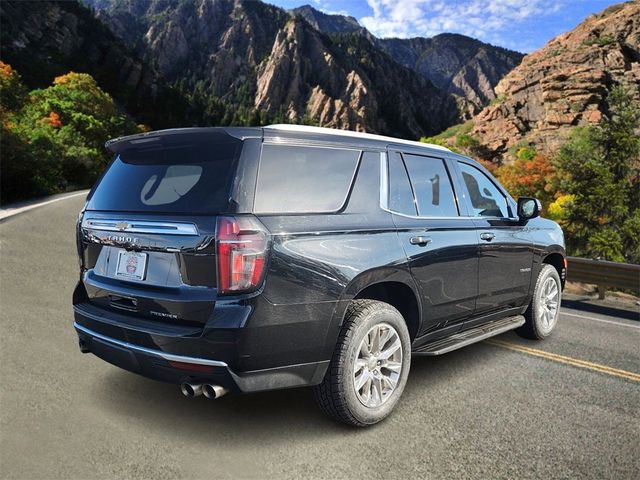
pixel 176 136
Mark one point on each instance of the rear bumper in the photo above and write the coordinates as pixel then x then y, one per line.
pixel 173 368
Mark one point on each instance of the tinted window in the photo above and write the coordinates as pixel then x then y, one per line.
pixel 400 194
pixel 193 178
pixel 304 179
pixel 486 199
pixel 432 186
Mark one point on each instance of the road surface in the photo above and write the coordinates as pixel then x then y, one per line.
pixel 505 408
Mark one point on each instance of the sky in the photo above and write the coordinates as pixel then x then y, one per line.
pixel 522 25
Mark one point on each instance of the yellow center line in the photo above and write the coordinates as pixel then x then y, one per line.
pixel 596 367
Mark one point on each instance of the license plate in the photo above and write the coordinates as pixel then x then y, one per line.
pixel 131 265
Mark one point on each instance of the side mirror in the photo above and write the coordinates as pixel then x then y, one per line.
pixel 528 208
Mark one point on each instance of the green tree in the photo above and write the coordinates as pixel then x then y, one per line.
pixel 600 167
pixel 52 138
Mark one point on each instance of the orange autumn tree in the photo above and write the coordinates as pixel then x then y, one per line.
pixel 529 175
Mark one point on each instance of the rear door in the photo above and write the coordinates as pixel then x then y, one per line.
pixel 440 243
pixel 147 236
pixel 505 250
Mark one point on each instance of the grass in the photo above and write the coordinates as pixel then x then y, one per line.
pixel 600 41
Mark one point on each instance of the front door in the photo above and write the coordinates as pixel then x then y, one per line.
pixel 505 252
pixel 441 245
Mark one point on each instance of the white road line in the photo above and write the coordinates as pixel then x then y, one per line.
pixel 10 212
pixel 637 327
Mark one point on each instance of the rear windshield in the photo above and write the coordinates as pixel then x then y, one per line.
pixel 190 178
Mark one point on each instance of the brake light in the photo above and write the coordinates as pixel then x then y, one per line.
pixel 241 253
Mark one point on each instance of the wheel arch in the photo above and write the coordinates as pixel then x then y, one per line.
pixel 557 260
pixel 393 286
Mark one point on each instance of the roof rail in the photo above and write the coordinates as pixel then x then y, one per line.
pixel 349 133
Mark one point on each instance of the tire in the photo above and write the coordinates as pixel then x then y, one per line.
pixel 543 311
pixel 351 363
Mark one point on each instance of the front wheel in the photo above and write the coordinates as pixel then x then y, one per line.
pixel 370 365
pixel 543 311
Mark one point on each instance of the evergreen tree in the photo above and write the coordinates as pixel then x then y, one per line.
pixel 600 168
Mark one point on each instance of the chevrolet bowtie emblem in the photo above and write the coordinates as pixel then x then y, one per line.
pixel 122 226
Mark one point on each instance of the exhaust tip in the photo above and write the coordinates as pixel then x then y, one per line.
pixel 84 348
pixel 191 390
pixel 214 391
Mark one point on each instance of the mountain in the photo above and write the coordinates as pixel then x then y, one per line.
pixel 245 62
pixel 328 23
pixel 277 66
pixel 562 85
pixel 462 66
pixel 42 40
pixel 459 65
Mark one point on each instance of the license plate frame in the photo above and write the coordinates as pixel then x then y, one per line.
pixel 131 265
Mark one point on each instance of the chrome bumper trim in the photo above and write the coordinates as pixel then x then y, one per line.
pixel 139 226
pixel 149 351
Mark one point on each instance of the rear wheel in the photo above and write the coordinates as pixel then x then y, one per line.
pixel 370 365
pixel 543 311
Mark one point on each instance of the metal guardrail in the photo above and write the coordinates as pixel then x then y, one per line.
pixel 604 274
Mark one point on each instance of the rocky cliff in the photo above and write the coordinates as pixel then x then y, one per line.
pixel 347 83
pixel 564 84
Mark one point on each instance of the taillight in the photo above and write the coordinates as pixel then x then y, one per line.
pixel 241 254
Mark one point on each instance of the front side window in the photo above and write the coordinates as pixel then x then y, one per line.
pixel 486 199
pixel 294 179
pixel 432 186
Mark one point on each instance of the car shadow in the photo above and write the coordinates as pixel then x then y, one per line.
pixel 275 416
pixel 588 305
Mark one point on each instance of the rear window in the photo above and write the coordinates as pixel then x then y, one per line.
pixel 294 179
pixel 178 178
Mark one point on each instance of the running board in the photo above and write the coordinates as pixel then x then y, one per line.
pixel 473 335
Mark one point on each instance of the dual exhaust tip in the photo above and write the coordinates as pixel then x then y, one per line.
pixel 209 391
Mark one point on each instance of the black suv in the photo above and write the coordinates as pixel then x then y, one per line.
pixel 248 259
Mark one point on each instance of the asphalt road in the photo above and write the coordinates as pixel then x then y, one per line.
pixel 507 408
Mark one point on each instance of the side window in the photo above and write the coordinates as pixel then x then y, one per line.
pixel 400 193
pixel 432 186
pixel 294 179
pixel 486 199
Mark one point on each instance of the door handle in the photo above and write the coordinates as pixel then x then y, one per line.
pixel 487 236
pixel 420 241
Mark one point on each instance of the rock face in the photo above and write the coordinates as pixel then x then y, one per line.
pixel 564 84
pixel 347 84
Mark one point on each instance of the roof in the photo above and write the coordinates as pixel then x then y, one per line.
pixel 351 134
pixel 176 135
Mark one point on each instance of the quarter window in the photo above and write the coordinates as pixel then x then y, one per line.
pixel 432 186
pixel 486 199
pixel 294 179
